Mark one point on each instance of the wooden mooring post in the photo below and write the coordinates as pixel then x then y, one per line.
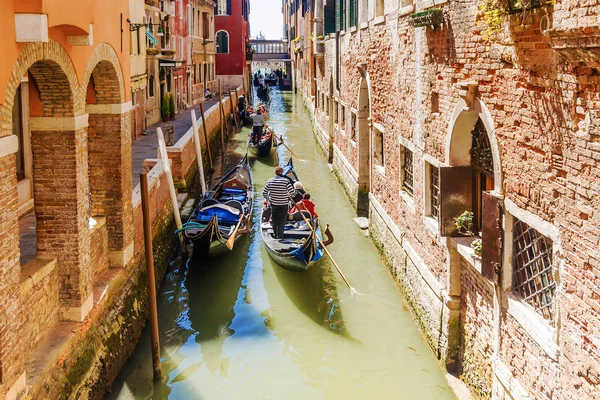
pixel 210 161
pixel 150 280
pixel 221 119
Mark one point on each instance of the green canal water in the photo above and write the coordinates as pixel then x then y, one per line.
pixel 240 327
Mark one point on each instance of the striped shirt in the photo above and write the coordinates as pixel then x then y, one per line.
pixel 278 190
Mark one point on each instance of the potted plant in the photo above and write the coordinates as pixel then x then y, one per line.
pixel 165 109
pixel 171 107
pixel 151 51
pixel 320 37
pixel 464 225
pixel 432 16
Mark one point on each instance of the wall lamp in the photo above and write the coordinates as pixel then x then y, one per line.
pixel 135 27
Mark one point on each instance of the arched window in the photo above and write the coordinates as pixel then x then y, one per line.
pixel 222 42
pixel 483 169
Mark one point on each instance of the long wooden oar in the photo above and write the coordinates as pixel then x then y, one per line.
pixel 231 241
pixel 324 247
pixel 286 146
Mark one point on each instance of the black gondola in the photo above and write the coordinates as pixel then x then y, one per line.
pixel 219 211
pixel 246 117
pixel 264 145
pixel 299 249
pixel 263 92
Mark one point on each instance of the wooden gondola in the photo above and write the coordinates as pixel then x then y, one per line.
pixel 226 206
pixel 263 92
pixel 271 81
pixel 246 117
pixel 299 249
pixel 264 146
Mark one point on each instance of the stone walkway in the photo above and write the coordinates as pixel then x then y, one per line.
pixel 146 146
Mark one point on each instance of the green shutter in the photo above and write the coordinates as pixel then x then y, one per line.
pixel 352 21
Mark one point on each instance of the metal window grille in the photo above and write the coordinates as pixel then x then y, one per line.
pixel 407 168
pixel 533 279
pixel 434 188
pixel 481 151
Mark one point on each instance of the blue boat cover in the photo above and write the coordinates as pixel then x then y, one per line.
pixel 233 194
pixel 225 216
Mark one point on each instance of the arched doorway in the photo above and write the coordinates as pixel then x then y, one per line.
pixel 364 148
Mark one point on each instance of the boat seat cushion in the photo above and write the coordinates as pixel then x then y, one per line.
pixel 225 214
pixel 233 194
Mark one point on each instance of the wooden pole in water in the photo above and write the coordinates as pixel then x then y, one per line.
pixel 198 151
pixel 222 119
pixel 150 283
pixel 167 166
pixel 206 135
pixel 233 111
pixel 244 88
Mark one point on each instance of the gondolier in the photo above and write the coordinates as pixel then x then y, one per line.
pixel 277 192
pixel 258 122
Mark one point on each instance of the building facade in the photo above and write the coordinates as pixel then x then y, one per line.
pixel 137 67
pixel 232 36
pixel 467 132
pixel 202 48
pixel 65 168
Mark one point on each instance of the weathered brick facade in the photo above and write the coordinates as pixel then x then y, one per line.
pixel 535 96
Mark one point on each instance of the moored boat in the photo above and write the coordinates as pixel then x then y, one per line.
pixel 263 92
pixel 265 144
pixel 301 245
pixel 222 212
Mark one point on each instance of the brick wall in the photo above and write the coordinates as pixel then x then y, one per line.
pixel 541 95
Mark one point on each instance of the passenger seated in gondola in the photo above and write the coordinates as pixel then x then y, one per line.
pixel 305 204
pixel 299 192
pixel 258 123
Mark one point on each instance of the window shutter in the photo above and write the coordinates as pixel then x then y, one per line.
pixel 338 15
pixel 456 196
pixel 491 235
pixel 228 7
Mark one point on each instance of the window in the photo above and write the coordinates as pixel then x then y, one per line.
pixel 336 112
pixel 353 17
pixel 353 126
pixel 407 171
pixel 532 276
pixel 378 157
pixel 205 26
pixel 327 107
pixel 329 15
pixel 17 118
pixel 151 86
pixel 405 3
pixel 223 7
pixel 379 7
pixel 340 14
pixel 222 42
pixel 434 192
pixel 343 118
pixel 483 169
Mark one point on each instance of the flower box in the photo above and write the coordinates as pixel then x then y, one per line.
pixel 433 16
pixel 151 51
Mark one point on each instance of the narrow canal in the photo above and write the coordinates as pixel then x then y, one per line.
pixel 241 327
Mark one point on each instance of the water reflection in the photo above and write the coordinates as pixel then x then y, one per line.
pixel 241 327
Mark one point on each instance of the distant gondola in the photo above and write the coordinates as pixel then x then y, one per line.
pixel 299 249
pixel 264 146
pixel 220 210
pixel 263 92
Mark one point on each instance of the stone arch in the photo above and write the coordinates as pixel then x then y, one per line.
pixel 104 72
pixel 364 143
pixel 458 137
pixel 55 75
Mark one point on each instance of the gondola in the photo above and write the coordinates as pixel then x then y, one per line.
pixel 299 249
pixel 263 92
pixel 271 81
pixel 265 144
pixel 246 117
pixel 219 212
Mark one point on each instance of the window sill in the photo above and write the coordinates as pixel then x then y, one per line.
pixel 342 132
pixel 363 25
pixel 406 10
pixel 408 200
pixel 432 226
pixel 538 329
pixel 379 20
pixel 380 169
pixel 463 246
pixel 353 143
pixel 353 29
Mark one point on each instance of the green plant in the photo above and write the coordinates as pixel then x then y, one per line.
pixel 165 109
pixel 171 105
pixel 492 15
pixel 464 225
